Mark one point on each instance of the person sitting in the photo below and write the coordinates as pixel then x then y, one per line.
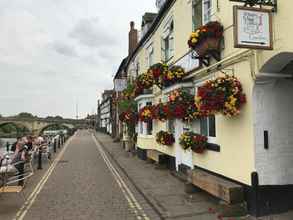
pixel 29 143
pixel 19 159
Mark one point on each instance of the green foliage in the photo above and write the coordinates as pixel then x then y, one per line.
pixel 25 115
pixel 8 128
pixel 13 129
pixel 125 105
pixel 54 117
pixel 55 127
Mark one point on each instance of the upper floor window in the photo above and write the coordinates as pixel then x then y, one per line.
pixel 207 11
pixel 167 43
pixel 201 12
pixel 150 55
pixel 137 69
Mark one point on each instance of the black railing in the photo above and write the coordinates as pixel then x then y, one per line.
pixel 272 3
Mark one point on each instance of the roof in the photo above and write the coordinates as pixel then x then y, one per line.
pixel 121 67
pixel 168 4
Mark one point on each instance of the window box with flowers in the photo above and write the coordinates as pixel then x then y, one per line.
pixel 196 142
pixel 165 138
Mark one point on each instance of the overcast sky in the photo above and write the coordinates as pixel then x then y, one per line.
pixel 54 53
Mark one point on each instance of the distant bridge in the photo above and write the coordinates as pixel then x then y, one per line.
pixel 38 125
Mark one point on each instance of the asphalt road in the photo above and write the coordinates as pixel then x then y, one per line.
pixel 85 184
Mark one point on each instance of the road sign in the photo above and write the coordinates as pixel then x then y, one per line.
pixel 253 28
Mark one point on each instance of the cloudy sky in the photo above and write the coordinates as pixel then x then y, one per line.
pixel 54 53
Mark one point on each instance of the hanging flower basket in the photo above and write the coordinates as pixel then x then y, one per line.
pixel 158 71
pixel 174 75
pixel 192 113
pixel 222 95
pixel 143 82
pixel 180 102
pixel 196 142
pixel 146 114
pixel 162 112
pixel 206 39
pixel 178 110
pixel 180 96
pixel 165 138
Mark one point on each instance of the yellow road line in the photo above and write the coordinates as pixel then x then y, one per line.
pixel 132 202
pixel 31 199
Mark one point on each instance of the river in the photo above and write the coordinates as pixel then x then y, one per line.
pixel 3 142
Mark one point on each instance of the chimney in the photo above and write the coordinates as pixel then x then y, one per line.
pixel 133 38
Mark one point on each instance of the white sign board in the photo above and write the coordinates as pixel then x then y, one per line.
pixel 120 84
pixel 188 63
pixel 252 28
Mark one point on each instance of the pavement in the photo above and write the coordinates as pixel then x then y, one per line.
pixel 94 178
pixel 167 193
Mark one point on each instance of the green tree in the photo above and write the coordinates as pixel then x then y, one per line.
pixel 8 128
pixel 25 115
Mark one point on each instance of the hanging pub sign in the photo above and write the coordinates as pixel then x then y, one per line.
pixel 253 28
pixel 120 84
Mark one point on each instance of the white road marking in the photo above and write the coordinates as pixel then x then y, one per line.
pixel 132 202
pixel 31 199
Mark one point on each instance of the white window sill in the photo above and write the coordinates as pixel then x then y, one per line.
pixel 145 136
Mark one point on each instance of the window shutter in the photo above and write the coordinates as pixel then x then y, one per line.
pixel 171 45
pixel 163 50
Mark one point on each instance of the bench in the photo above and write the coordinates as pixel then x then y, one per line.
pixel 226 190
pixel 11 189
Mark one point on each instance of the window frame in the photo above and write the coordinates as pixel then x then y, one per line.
pixel 204 17
pixel 149 125
pixel 167 38
pixel 211 139
pixel 150 55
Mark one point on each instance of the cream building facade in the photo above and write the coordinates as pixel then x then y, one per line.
pixel 257 142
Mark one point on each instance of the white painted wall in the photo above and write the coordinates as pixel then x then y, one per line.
pixel 273 108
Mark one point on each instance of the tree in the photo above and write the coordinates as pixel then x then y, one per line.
pixel 25 115
pixel 54 117
pixel 8 128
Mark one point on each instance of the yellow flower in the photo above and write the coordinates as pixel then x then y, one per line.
pixel 194 34
pixel 194 40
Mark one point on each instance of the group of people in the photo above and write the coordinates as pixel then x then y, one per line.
pixel 23 149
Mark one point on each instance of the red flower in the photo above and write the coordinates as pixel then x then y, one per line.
pixel 156 73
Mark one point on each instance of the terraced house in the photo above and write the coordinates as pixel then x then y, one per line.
pixel 236 143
